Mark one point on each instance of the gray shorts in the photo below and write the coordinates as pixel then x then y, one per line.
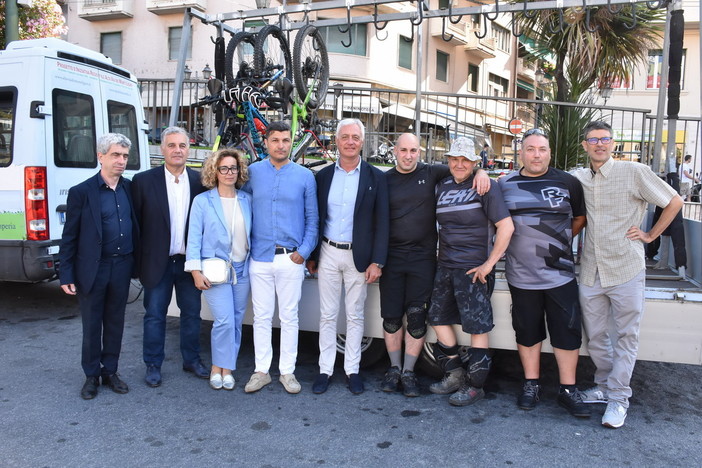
pixel 456 299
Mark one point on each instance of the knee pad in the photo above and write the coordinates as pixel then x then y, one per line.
pixel 392 325
pixel 416 322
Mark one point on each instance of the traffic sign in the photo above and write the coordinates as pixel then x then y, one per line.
pixel 515 126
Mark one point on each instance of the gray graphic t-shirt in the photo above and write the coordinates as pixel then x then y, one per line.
pixel 540 255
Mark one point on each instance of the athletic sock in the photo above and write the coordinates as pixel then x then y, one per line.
pixel 395 358
pixel 409 362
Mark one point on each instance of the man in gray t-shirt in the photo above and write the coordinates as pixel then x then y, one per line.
pixel 547 207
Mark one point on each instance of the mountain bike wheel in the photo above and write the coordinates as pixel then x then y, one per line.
pixel 238 61
pixel 311 66
pixel 272 53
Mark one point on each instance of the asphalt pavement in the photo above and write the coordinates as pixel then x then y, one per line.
pixel 183 423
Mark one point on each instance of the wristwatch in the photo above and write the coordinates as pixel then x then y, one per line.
pixel 379 265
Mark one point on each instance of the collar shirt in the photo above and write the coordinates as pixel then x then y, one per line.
pixel 116 214
pixel 341 203
pixel 284 203
pixel 178 205
pixel 616 198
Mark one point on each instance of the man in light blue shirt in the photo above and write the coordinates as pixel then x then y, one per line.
pixel 283 235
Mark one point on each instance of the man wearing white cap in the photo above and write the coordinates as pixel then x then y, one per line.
pixel 464 277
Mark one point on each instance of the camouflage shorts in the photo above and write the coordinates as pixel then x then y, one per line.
pixel 456 299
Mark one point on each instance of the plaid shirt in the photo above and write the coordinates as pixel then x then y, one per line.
pixel 616 197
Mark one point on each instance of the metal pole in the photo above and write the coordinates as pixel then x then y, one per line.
pixel 418 86
pixel 11 21
pixel 662 90
pixel 180 70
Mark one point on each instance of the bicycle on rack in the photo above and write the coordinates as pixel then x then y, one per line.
pixel 254 88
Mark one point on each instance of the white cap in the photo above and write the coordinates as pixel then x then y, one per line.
pixel 463 147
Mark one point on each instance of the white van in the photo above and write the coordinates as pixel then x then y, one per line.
pixel 55 100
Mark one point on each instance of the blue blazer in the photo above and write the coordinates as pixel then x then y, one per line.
pixel 81 241
pixel 371 216
pixel 209 236
pixel 150 198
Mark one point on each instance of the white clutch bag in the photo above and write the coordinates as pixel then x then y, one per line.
pixel 217 271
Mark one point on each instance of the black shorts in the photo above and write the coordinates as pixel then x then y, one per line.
pixel 456 299
pixel 562 313
pixel 405 282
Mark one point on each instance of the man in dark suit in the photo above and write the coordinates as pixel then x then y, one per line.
pixel 96 261
pixel 162 199
pixel 353 225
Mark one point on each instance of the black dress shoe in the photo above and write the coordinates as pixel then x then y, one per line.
pixel 355 383
pixel 115 383
pixel 153 376
pixel 321 384
pixel 90 387
pixel 197 368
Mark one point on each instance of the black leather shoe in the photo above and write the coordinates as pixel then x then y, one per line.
pixel 90 388
pixel 153 376
pixel 197 368
pixel 355 384
pixel 321 384
pixel 115 383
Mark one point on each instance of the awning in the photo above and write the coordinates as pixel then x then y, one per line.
pixel 407 112
pixel 525 85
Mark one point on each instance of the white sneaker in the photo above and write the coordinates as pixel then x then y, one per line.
pixel 595 394
pixel 216 381
pixel 257 381
pixel 228 382
pixel 614 416
pixel 290 383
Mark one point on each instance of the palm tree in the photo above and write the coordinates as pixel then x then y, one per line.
pixel 591 46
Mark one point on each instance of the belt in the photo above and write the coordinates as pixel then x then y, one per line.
pixel 284 250
pixel 176 256
pixel 342 246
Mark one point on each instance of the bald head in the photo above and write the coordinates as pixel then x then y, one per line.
pixel 406 153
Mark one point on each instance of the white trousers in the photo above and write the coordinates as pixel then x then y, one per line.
pixel 612 318
pixel 281 278
pixel 337 273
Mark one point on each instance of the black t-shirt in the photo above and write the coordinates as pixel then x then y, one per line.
pixel 413 210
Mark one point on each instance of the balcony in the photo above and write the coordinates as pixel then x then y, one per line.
pixel 458 31
pixel 166 7
pixel 97 10
pixel 526 68
pixel 481 48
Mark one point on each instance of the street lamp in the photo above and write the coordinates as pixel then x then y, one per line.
pixel 206 72
pixel 606 93
pixel 187 72
pixel 539 75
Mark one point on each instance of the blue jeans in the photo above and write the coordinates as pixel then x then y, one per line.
pixel 228 303
pixel 156 302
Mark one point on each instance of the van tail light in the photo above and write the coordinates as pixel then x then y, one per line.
pixel 35 203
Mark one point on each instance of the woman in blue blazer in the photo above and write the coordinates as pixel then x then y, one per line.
pixel 220 227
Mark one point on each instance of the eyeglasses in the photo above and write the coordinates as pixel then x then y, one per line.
pixel 534 131
pixel 594 141
pixel 224 170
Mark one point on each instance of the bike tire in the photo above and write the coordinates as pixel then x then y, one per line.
pixel 219 58
pixel 270 50
pixel 234 63
pixel 310 64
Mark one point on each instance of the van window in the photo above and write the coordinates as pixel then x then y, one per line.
pixel 122 119
pixel 74 129
pixel 8 102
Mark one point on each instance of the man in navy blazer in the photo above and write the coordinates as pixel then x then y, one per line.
pixel 354 228
pixel 162 200
pixel 96 261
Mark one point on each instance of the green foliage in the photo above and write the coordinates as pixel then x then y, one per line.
pixel 43 19
pixel 564 126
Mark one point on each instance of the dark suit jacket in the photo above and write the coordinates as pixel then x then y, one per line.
pixel 151 208
pixel 371 216
pixel 81 242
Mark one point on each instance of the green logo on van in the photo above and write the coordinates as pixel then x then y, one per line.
pixel 12 225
